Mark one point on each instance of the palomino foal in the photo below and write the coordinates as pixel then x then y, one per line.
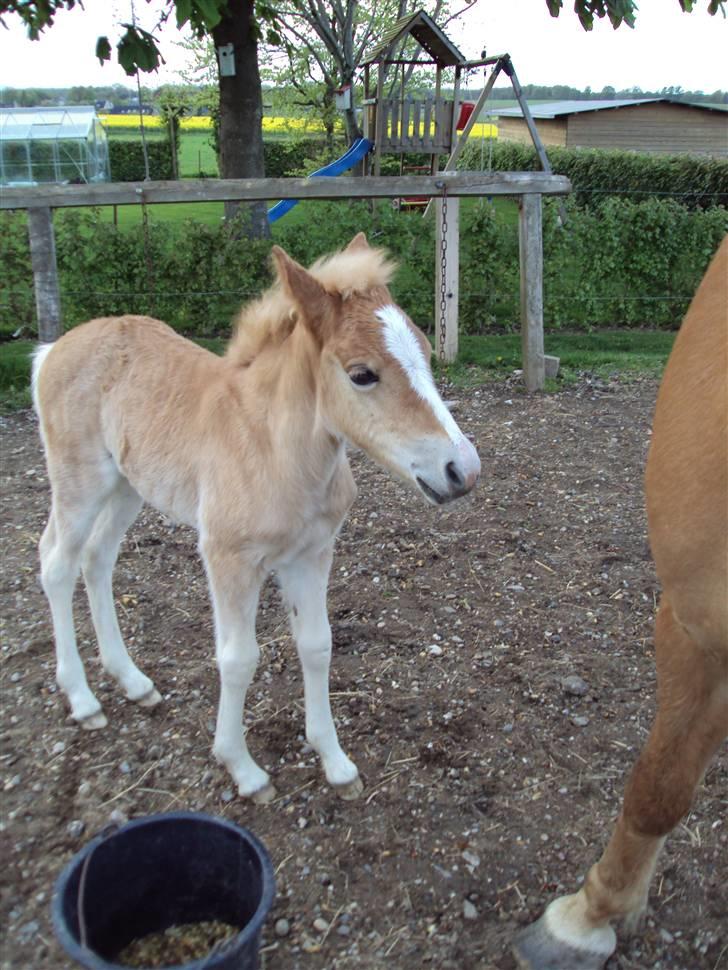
pixel 687 509
pixel 250 450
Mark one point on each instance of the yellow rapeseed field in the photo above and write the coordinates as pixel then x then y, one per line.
pixel 272 125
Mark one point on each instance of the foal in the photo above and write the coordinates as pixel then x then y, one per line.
pixel 250 450
pixel 687 509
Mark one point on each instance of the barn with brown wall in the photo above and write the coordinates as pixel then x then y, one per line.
pixel 649 125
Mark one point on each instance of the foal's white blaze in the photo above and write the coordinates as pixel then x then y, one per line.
pixel 405 348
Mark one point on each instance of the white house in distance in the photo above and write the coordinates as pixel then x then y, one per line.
pixel 645 125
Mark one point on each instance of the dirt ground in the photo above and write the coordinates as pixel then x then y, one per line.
pixel 489 787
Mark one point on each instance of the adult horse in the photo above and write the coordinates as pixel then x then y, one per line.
pixel 248 449
pixel 686 486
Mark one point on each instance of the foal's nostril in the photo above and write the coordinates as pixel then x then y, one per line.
pixel 453 475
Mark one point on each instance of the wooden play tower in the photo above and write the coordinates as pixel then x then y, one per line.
pixel 396 122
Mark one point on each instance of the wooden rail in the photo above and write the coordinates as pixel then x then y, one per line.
pixel 445 187
pixel 249 190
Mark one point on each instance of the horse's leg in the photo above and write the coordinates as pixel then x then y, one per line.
pixel 97 562
pixel 303 584
pixel 73 512
pixel 235 588
pixel 691 723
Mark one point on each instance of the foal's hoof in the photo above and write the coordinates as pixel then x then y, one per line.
pixel 537 948
pixel 264 795
pixel 150 699
pixel 94 722
pixel 350 789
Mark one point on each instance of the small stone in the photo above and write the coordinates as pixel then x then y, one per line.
pixel 574 684
pixel 580 720
pixel 28 931
pixel 302 823
pixel 76 828
pixel 666 936
pixel 118 817
pixel 507 728
pixel 469 910
pixel 227 795
pixel 434 650
pixel 343 930
pixel 125 767
pixel 282 928
pixel 58 747
pixel 15 677
pixel 320 925
pixel 84 789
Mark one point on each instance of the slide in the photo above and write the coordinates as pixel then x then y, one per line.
pixel 360 148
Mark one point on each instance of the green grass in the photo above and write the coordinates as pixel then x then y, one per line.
pixel 482 358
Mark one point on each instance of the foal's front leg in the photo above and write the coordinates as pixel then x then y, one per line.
pixel 303 584
pixel 235 587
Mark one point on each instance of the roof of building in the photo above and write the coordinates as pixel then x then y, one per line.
pixel 427 34
pixel 557 109
pixel 33 124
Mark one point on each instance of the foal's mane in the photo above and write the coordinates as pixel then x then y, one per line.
pixel 271 318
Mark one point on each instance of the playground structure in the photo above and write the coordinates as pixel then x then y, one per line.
pixel 434 126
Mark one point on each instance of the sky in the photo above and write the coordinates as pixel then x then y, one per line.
pixel 667 47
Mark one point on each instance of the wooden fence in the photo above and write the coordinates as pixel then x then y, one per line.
pixel 445 189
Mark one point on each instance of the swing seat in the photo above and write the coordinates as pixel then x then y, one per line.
pixel 466 109
pixel 413 201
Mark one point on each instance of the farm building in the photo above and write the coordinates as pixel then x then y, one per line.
pixel 52 145
pixel 644 125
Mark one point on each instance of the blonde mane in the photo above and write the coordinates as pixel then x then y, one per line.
pixel 271 318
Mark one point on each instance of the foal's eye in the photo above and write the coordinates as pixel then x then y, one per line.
pixel 363 377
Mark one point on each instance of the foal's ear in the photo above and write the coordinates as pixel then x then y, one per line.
pixel 306 292
pixel 358 242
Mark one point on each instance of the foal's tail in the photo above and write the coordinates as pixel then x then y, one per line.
pixel 39 356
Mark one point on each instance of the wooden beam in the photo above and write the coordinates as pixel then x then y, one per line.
pixel 531 259
pixel 447 279
pixel 343 187
pixel 45 273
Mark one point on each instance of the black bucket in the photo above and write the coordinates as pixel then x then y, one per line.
pixel 162 871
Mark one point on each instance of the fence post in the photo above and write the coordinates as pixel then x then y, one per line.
pixel 447 278
pixel 45 273
pixel 531 259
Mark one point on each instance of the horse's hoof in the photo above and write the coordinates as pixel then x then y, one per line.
pixel 94 722
pixel 150 699
pixel 350 789
pixel 537 948
pixel 264 795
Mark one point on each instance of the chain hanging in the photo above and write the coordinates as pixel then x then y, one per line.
pixel 442 329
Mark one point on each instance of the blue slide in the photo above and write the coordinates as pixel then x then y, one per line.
pixel 360 148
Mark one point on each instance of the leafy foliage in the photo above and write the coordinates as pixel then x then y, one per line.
pixel 625 264
pixel 595 174
pixel 126 159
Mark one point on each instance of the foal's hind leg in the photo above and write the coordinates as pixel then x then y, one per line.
pixel 235 588
pixel 70 523
pixel 691 723
pixel 303 584
pixel 98 560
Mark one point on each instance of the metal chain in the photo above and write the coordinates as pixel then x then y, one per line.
pixel 443 276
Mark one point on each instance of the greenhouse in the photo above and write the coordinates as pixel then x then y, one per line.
pixel 40 145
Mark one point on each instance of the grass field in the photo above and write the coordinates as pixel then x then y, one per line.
pixel 482 358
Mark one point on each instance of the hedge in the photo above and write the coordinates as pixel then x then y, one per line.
pixel 126 159
pixel 695 180
pixel 624 264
